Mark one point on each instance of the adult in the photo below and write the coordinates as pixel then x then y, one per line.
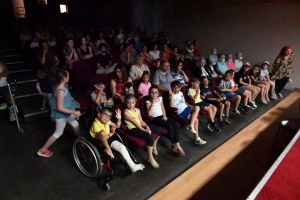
pixel 221 66
pixel 200 70
pixel 137 45
pixel 136 71
pixel 104 60
pixel 238 61
pixel 179 74
pixel 99 41
pixel 70 54
pixel 162 77
pixel 120 36
pixel 48 58
pixel 147 58
pixel 126 56
pixel 197 52
pixel 84 51
pixel 211 68
pixel 91 44
pixel 119 85
pixel 4 91
pixel 283 68
pixel 35 42
pixel 189 54
pixel 229 62
pixel 154 53
pixel 168 51
pixel 214 53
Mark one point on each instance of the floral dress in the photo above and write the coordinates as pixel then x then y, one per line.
pixel 282 67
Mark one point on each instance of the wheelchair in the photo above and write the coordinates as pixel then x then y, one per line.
pixel 90 157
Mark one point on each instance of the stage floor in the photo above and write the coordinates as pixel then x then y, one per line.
pixel 24 175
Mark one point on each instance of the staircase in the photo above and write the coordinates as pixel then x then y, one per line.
pixel 26 94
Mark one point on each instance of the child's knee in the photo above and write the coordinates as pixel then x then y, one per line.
pixel 221 105
pixel 238 97
pixel 102 134
pixel 227 103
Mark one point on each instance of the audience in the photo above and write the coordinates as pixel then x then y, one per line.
pixel 104 60
pixel 84 51
pixel 229 62
pixel 221 66
pixel 154 53
pixel 214 54
pixel 162 78
pixel 70 54
pixel 136 71
pixel 238 61
pixel 178 73
pixel 200 70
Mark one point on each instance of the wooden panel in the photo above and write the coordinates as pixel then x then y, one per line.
pixel 191 181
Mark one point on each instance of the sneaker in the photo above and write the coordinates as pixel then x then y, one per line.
pixel 191 128
pixel 226 119
pixel 254 104
pixel 44 154
pixel 245 109
pixel 221 124
pixel 250 105
pixel 198 141
pixel 274 96
pixel 216 128
pixel 209 126
pixel 237 112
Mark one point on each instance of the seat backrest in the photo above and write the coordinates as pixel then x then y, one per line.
pixel 215 82
pixel 82 71
pixel 184 90
pixel 95 78
pixel 143 108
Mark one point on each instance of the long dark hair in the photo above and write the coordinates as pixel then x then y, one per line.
pixel 176 65
pixel 123 71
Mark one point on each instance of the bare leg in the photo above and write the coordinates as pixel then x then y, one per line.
pixel 155 143
pixel 227 103
pixel 194 114
pixel 49 142
pixel 196 128
pixel 238 101
pixel 221 111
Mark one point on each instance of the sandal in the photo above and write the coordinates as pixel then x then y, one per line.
pixel 153 163
pixel 45 154
pixel 155 152
pixel 178 150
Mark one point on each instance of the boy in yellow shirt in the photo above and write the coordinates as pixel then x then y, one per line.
pixel 194 94
pixel 100 129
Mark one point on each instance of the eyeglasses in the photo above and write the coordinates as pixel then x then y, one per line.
pixel 106 115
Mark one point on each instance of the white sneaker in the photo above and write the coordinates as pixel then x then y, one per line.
pixel 191 128
pixel 254 104
pixel 198 141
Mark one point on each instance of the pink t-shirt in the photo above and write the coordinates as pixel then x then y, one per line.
pixel 231 65
pixel 144 88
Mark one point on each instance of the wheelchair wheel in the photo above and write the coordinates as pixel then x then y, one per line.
pixel 87 158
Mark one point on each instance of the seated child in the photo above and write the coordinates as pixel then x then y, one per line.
pixel 44 87
pixel 156 109
pixel 145 85
pixel 254 74
pixel 194 94
pixel 98 96
pixel 101 130
pixel 185 111
pixel 228 87
pixel 138 128
pixel 242 91
pixel 264 77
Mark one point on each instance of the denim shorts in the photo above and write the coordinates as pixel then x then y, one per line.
pixel 241 90
pixel 184 114
pixel 202 104
pixel 229 95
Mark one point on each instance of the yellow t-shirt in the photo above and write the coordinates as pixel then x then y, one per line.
pixel 135 116
pixel 98 126
pixel 192 92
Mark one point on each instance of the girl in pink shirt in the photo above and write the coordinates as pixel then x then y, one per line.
pixel 145 85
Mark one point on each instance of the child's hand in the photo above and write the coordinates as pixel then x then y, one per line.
pixel 77 113
pixel 118 114
pixel 171 92
pixel 109 152
pixel 165 118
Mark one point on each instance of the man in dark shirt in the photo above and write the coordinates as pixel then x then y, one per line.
pixel 103 60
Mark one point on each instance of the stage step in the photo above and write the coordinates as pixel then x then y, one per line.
pixel 24 76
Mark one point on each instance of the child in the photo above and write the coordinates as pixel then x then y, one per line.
pixel 61 103
pixel 145 85
pixel 242 92
pixel 264 77
pixel 185 111
pixel 138 128
pixel 243 80
pixel 228 87
pixel 101 130
pixel 44 87
pixel 213 97
pixel 254 74
pixel 98 96
pixel 178 73
pixel 156 109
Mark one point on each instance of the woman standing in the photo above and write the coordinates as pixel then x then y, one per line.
pixel 282 68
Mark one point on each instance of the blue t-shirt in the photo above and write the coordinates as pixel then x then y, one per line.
pixel 209 91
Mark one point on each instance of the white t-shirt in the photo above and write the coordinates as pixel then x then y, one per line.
pixel 263 74
pixel 226 85
pixel 34 44
pixel 156 110
pixel 154 55
pixel 179 103
pixel 238 64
